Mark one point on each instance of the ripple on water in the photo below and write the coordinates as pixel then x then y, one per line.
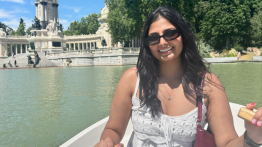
pixel 47 106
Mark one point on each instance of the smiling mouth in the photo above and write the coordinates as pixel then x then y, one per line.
pixel 166 50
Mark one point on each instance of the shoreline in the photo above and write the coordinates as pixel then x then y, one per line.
pixel 214 60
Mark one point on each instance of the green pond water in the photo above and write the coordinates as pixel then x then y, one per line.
pixel 47 106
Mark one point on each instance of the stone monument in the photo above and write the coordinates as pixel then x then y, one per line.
pixel 45 33
pixel 2 33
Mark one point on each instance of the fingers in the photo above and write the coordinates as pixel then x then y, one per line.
pixel 105 143
pixel 251 106
pixel 257 119
pixel 119 145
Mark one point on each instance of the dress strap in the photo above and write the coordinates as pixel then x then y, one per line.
pixel 137 85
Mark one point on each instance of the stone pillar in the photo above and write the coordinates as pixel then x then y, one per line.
pixel 74 46
pixel 54 12
pixel 133 41
pixel 21 48
pixel 57 13
pixel 89 45
pixel 46 13
pixel 43 14
pixel 15 49
pixel 78 46
pixel 86 46
pixel 11 48
pixel 5 50
pixel 36 10
pixel 26 48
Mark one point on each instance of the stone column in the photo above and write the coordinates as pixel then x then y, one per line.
pixel 43 14
pixel 89 45
pixel 46 13
pixel 78 46
pixel 21 48
pixel 5 50
pixel 133 43
pixel 86 46
pixel 15 49
pixel 1 50
pixel 26 48
pixel 57 13
pixel 54 12
pixel 36 10
pixel 74 46
pixel 11 48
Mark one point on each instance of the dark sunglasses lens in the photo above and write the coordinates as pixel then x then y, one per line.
pixel 151 40
pixel 171 34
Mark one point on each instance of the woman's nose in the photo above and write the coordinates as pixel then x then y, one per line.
pixel 162 41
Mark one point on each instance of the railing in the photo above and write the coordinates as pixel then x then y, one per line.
pixel 17 37
pixel 125 50
pixel 82 36
pixel 68 53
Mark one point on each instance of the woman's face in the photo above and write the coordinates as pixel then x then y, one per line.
pixel 165 50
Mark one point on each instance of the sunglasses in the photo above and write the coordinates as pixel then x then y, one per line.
pixel 168 35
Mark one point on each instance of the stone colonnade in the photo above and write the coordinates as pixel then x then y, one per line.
pixel 8 49
pixel 135 42
pixel 81 45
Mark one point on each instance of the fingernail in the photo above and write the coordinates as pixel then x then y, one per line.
pixel 253 103
pixel 259 123
pixel 254 121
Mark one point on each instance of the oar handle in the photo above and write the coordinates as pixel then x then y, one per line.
pixel 246 114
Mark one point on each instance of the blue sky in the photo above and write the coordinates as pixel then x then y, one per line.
pixel 69 10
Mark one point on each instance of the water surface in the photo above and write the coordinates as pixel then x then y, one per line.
pixel 47 106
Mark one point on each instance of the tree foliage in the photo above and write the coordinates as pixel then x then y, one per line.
pixel 126 17
pixel 87 25
pixel 6 28
pixel 28 30
pixel 224 20
pixel 21 29
pixel 256 24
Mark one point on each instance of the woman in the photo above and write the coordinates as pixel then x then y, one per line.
pixel 160 93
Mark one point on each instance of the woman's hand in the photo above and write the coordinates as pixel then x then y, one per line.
pixel 254 129
pixel 108 143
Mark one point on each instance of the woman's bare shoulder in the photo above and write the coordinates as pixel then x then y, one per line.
pixel 130 74
pixel 212 82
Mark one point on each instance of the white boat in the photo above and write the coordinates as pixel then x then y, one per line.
pixel 91 135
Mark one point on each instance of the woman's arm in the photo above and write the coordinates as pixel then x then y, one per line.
pixel 120 111
pixel 220 117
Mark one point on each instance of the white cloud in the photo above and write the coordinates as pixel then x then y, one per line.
pixel 32 3
pixel 68 16
pixel 14 22
pixel 65 23
pixel 5 14
pixel 76 9
pixel 16 1
pixel 10 14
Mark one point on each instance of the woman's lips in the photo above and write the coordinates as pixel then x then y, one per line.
pixel 164 51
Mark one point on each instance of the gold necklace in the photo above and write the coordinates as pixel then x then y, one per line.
pixel 169 98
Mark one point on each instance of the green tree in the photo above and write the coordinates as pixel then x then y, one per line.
pixel 21 29
pixel 6 28
pixel 87 25
pixel 28 31
pixel 126 17
pixel 256 24
pixel 226 20
pixel 61 28
pixel 13 33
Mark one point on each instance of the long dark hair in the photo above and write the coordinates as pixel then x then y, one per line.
pixel 148 65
